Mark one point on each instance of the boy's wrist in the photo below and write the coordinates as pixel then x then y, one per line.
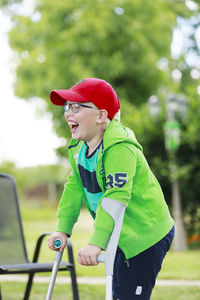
pixel 65 233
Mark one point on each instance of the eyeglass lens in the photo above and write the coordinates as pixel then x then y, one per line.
pixel 74 107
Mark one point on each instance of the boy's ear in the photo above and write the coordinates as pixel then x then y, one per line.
pixel 102 116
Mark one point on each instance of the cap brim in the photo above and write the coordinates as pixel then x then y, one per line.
pixel 59 97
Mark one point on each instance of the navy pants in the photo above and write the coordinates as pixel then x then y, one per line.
pixel 134 279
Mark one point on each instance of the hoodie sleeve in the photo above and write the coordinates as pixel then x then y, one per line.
pixel 120 168
pixel 69 206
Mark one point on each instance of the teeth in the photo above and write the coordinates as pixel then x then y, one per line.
pixel 72 124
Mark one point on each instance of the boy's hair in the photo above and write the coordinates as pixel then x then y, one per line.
pixel 107 121
pixel 94 90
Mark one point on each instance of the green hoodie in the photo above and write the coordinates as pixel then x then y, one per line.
pixel 124 175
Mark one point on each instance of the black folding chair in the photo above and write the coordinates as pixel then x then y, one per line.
pixel 13 253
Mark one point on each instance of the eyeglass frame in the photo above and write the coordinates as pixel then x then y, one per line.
pixel 70 106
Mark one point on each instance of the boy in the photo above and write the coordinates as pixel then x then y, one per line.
pixel 107 161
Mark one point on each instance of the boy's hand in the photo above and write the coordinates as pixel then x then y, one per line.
pixel 88 255
pixel 60 235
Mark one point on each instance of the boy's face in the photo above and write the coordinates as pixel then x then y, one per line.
pixel 83 124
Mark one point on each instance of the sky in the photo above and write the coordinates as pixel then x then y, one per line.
pixel 25 137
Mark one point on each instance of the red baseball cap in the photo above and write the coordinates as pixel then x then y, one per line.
pixel 94 90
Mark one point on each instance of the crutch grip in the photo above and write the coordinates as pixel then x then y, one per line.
pixel 57 243
pixel 101 258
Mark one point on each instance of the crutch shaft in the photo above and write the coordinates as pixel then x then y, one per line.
pixel 109 287
pixel 57 260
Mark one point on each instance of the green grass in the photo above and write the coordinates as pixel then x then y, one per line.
pixel 13 291
pixel 38 218
pixel 176 293
pixel 181 265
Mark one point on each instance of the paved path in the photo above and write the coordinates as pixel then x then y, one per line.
pixel 94 280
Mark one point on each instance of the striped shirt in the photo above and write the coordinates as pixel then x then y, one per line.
pixel 87 169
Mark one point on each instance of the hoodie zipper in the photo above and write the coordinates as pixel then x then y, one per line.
pixel 127 262
pixel 80 185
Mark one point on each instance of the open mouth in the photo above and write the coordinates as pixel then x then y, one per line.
pixel 73 126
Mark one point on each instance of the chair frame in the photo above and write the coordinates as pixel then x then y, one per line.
pixel 35 267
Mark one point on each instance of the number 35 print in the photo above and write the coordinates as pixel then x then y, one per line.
pixel 117 179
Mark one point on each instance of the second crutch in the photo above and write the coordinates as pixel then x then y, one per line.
pixel 116 210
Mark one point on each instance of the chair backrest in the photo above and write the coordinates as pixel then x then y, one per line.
pixel 12 243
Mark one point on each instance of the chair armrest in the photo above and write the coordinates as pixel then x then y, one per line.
pixel 38 245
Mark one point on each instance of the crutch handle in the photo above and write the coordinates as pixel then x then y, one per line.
pixel 101 258
pixel 57 243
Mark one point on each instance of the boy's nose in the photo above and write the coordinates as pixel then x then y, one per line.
pixel 68 113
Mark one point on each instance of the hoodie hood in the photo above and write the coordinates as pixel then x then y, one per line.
pixel 114 134
pixel 117 133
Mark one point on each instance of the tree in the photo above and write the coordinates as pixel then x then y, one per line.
pixel 124 42
pixel 187 65
pixel 65 41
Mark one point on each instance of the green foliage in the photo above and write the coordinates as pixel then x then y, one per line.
pixel 8 167
pixel 121 42
pixel 33 177
pixel 44 174
pixel 188 160
pixel 8 2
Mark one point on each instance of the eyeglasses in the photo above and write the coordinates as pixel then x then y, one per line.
pixel 75 107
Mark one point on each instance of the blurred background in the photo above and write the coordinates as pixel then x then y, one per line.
pixel 148 51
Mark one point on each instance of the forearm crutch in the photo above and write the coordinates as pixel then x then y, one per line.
pixel 57 260
pixel 116 210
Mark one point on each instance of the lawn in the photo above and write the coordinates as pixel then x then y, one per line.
pixel 14 291
pixel 39 218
